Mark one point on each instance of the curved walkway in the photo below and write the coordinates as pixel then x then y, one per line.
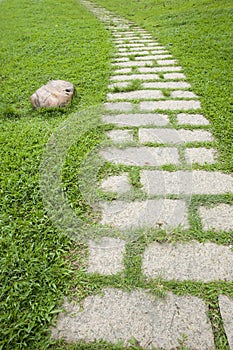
pixel 161 131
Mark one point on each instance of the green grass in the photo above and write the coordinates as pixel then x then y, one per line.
pixel 39 264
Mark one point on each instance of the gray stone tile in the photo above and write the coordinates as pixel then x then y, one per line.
pixel 121 59
pixel 152 57
pixel 137 94
pixel 156 182
pixel 217 218
pixel 133 53
pixel 117 315
pixel 200 155
pixel 130 45
pixel 183 94
pixel 204 262
pixel 173 135
pixel 123 71
pixel 118 183
pixel 120 136
pixel 172 105
pixel 170 76
pixel 135 77
pixel 133 64
pixel 166 62
pixel 159 69
pixel 226 309
pixel 106 256
pixel 118 106
pixel 191 119
pixel 166 85
pixel 157 52
pixel 141 156
pixel 160 213
pixel 136 119
pixel 119 84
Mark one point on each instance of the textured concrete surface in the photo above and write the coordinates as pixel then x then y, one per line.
pixel 117 315
pixel 171 105
pixel 192 119
pixel 106 256
pixel 182 94
pixel 159 69
pixel 226 309
pixel 116 183
pixel 200 155
pixel 157 182
pixel 123 71
pixel 120 136
pixel 217 218
pixel 135 77
pixel 153 57
pixel 173 136
pixel 141 156
pixel 166 62
pixel 118 106
pixel 196 261
pixel 138 94
pixel 166 85
pixel 137 119
pixel 161 213
pixel 133 63
pixel 171 76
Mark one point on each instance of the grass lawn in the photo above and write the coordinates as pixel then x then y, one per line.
pixel 51 39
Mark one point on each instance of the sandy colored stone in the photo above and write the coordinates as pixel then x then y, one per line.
pixel 217 218
pixel 226 309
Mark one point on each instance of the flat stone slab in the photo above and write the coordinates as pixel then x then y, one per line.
pixel 171 76
pixel 157 182
pixel 133 63
pixel 118 106
pixel 217 218
pixel 141 156
pixel 159 69
pixel 200 155
pixel 226 309
pixel 106 256
pixel 137 94
pixel 191 119
pixel 117 183
pixel 166 62
pixel 172 105
pixel 153 57
pixel 135 77
pixel 116 315
pixel 133 53
pixel 123 71
pixel 182 94
pixel 160 213
pixel 173 136
pixel 167 85
pixel 120 136
pixel 203 262
pixel 136 119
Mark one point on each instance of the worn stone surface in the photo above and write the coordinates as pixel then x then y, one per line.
pixel 133 53
pixel 157 182
pixel 118 183
pixel 133 63
pixel 118 315
pixel 120 136
pixel 137 119
pixel 173 136
pixel 226 309
pixel 166 62
pixel 56 93
pixel 183 94
pixel 171 105
pixel 138 94
pixel 135 77
pixel 217 218
pixel 141 156
pixel 170 76
pixel 167 85
pixel 123 70
pixel 192 119
pixel 200 155
pixel 159 69
pixel 106 256
pixel 153 57
pixel 160 213
pixel 118 106
pixel 195 261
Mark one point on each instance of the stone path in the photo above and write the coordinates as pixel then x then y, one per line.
pixel 158 122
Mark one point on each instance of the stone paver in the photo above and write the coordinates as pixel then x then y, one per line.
pixel 136 119
pixel 120 136
pixel 157 182
pixel 117 183
pixel 133 64
pixel 170 76
pixel 123 70
pixel 217 218
pixel 226 309
pixel 138 94
pixel 205 262
pixel 182 94
pixel 166 62
pixel 133 53
pixel 167 85
pixel 160 213
pixel 135 77
pixel 153 57
pixel 200 155
pixel 191 119
pixel 106 256
pixel 119 106
pixel 141 156
pixel 159 69
pixel 172 105
pixel 118 315
pixel 173 136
